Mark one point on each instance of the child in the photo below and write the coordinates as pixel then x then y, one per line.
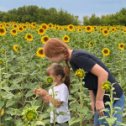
pixel 57 96
pixel 96 74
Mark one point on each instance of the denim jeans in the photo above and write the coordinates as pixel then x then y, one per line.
pixel 118 115
pixel 61 124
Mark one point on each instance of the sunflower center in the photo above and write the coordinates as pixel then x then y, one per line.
pixel 105 31
pixel 14 31
pixel 105 51
pixel 29 36
pixel 41 51
pixel 66 38
pixel 71 27
pixel 41 30
pixel 46 39
pixel 44 26
pixel 88 28
pixel 1 30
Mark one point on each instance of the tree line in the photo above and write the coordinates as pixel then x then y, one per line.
pixel 39 15
pixel 118 18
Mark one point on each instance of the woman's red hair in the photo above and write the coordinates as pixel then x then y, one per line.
pixel 54 47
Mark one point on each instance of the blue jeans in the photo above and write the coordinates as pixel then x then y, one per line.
pixel 120 103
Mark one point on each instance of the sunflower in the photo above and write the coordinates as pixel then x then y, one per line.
pixel 44 39
pixel 20 29
pixel 80 73
pixel 91 44
pixel 41 31
pixel 113 29
pixel 121 46
pixel 29 114
pixel 66 38
pixel 16 48
pixel 105 51
pixel 44 26
pixel 13 32
pixel 50 25
pixel 29 37
pixel 49 80
pixel 2 31
pixel 106 86
pixel 70 27
pixel 33 25
pixel 79 30
pixel 40 53
pixel 105 32
pixel 15 26
pixel 89 28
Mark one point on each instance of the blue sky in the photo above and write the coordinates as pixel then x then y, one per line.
pixel 76 7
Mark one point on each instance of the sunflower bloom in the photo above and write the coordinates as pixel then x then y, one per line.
pixel 29 37
pixel 121 46
pixel 80 73
pixel 13 32
pixel 106 86
pixel 70 27
pixel 105 32
pixel 2 31
pixel 16 48
pixel 105 51
pixel 66 38
pixel 89 28
pixel 40 53
pixel 41 31
pixel 20 29
pixel 44 39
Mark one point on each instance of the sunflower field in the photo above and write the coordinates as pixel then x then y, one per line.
pixel 23 68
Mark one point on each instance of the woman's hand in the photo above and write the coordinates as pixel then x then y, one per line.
pixel 41 92
pixel 99 107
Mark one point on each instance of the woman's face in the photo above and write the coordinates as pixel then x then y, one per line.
pixel 58 58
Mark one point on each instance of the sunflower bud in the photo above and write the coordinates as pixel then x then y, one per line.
pixel 49 80
pixel 1 112
pixel 29 114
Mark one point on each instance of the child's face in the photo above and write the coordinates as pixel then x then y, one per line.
pixel 58 58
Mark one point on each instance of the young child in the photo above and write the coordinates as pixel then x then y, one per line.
pixel 96 74
pixel 57 96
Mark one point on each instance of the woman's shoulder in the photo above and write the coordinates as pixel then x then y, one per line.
pixel 80 52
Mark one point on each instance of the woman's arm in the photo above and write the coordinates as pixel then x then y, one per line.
pixel 102 75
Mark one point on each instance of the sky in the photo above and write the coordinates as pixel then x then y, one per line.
pixel 76 7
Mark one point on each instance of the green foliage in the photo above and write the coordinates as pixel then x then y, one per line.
pixel 39 15
pixel 112 19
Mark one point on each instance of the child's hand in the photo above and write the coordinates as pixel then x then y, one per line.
pixel 46 99
pixel 41 92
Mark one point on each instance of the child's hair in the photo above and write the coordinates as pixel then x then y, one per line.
pixel 59 70
pixel 53 48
